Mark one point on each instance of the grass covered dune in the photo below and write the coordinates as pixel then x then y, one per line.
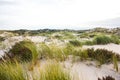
pixel 59 55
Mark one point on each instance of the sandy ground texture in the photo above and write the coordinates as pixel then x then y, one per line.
pixel 82 71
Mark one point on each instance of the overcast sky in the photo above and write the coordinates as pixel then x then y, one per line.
pixel 59 14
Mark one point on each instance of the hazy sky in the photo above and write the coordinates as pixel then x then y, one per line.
pixel 59 14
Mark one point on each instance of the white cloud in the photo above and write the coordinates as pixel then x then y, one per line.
pixel 57 12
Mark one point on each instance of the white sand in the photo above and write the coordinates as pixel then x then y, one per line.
pixel 81 71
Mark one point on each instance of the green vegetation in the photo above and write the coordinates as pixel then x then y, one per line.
pixel 88 43
pixel 12 71
pixel 48 52
pixel 22 54
pixel 102 55
pixel 102 39
pixel 115 62
pixel 75 43
pixel 2 39
pixel 24 51
pixel 115 39
pixel 53 71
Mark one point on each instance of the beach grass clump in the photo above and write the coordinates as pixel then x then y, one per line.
pixel 68 35
pixel 75 43
pixel 51 52
pixel 101 55
pixel 115 39
pixel 24 51
pixel 102 39
pixel 12 71
pixel 54 71
pixel 115 62
pixel 88 42
pixel 2 38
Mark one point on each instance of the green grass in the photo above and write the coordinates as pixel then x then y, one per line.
pixel 24 51
pixel 115 62
pixel 75 43
pixel 102 55
pixel 12 71
pixel 53 71
pixel 88 42
pixel 50 70
pixel 102 39
pixel 52 52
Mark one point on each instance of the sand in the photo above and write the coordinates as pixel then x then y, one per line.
pixel 82 71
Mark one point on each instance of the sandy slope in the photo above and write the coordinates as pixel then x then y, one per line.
pixel 82 71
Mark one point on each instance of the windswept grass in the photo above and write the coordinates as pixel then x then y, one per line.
pixel 12 71
pixel 75 43
pixel 24 51
pixel 53 71
pixel 102 39
pixel 115 62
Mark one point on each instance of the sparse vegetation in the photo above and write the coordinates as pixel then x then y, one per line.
pixel 44 59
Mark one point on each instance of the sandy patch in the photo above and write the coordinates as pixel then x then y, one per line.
pixel 82 71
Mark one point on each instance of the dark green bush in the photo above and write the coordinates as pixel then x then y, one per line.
pixel 75 43
pixel 115 39
pixel 88 43
pixel 2 38
pixel 102 55
pixel 24 50
pixel 102 40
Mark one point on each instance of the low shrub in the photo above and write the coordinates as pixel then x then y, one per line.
pixel 102 39
pixel 115 39
pixel 75 43
pixel 88 43
pixel 24 51
pixel 2 39
pixel 102 55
